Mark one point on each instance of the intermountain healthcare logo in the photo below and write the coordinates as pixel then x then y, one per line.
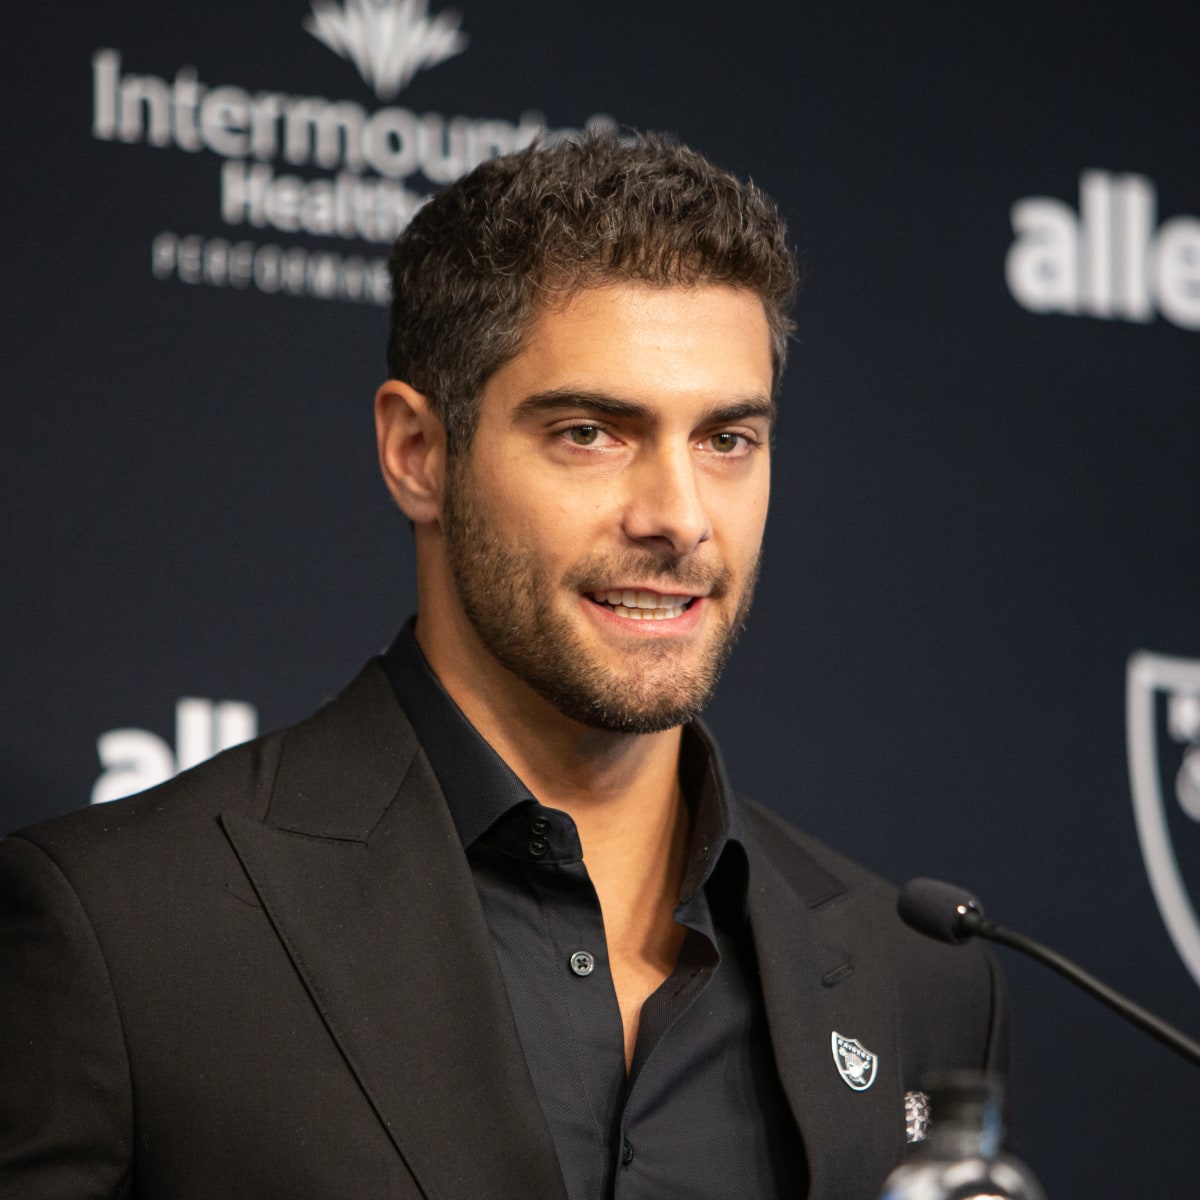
pixel 389 41
pixel 352 174
pixel 1153 679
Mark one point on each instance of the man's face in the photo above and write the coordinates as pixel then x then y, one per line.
pixel 603 530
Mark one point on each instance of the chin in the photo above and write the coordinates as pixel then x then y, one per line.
pixel 632 701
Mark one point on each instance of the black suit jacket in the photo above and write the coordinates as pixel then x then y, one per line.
pixel 271 977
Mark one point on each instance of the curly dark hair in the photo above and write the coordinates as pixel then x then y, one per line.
pixel 528 230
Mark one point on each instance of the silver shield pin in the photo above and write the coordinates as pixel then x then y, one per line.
pixel 855 1063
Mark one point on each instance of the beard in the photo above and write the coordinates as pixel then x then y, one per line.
pixel 507 594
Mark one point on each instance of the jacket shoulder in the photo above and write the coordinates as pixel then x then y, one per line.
pixel 950 1001
pixel 238 778
pixel 796 853
pixel 325 755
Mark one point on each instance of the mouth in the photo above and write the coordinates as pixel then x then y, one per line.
pixel 639 605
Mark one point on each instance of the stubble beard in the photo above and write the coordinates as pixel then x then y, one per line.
pixel 506 594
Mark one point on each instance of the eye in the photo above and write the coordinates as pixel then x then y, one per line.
pixel 583 435
pixel 727 443
pixel 586 436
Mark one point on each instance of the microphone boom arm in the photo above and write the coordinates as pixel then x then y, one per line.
pixel 971 921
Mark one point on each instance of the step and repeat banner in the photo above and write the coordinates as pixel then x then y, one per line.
pixel 976 650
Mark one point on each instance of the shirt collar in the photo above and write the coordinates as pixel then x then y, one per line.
pixel 480 787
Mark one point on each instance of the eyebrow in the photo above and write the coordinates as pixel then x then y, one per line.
pixel 739 409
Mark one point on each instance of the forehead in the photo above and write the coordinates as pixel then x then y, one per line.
pixel 643 342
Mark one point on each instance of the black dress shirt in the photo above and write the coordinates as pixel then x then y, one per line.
pixel 701 1112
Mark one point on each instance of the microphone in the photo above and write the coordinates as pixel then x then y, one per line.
pixel 951 914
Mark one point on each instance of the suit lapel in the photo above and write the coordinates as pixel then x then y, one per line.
pixel 362 874
pixel 823 972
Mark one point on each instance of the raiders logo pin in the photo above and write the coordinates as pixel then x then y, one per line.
pixel 855 1063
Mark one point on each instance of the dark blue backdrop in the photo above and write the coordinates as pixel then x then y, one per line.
pixel 986 474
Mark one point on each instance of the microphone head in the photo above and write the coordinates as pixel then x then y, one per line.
pixel 936 909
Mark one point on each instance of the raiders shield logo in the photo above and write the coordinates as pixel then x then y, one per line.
pixel 1163 721
pixel 855 1063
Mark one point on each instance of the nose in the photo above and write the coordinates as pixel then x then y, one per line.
pixel 666 510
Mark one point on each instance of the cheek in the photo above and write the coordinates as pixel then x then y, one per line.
pixel 553 527
pixel 764 498
pixel 743 517
pixel 566 512
pixel 751 538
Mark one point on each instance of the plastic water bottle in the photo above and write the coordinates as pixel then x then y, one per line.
pixel 963 1158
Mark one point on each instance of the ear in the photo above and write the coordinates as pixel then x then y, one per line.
pixel 412 450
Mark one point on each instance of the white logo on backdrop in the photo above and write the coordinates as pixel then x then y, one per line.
pixel 389 41
pixel 1153 759
pixel 328 170
pixel 1107 259
pixel 136 759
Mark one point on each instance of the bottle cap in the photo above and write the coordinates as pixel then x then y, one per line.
pixel 963 1097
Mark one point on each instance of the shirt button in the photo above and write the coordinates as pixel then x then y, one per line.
pixel 626 1152
pixel 538 847
pixel 539 826
pixel 582 963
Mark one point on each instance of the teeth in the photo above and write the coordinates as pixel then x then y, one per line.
pixel 648 614
pixel 628 598
pixel 643 606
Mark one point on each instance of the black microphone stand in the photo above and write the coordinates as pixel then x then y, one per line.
pixel 972 921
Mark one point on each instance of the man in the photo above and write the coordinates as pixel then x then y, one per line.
pixel 492 923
